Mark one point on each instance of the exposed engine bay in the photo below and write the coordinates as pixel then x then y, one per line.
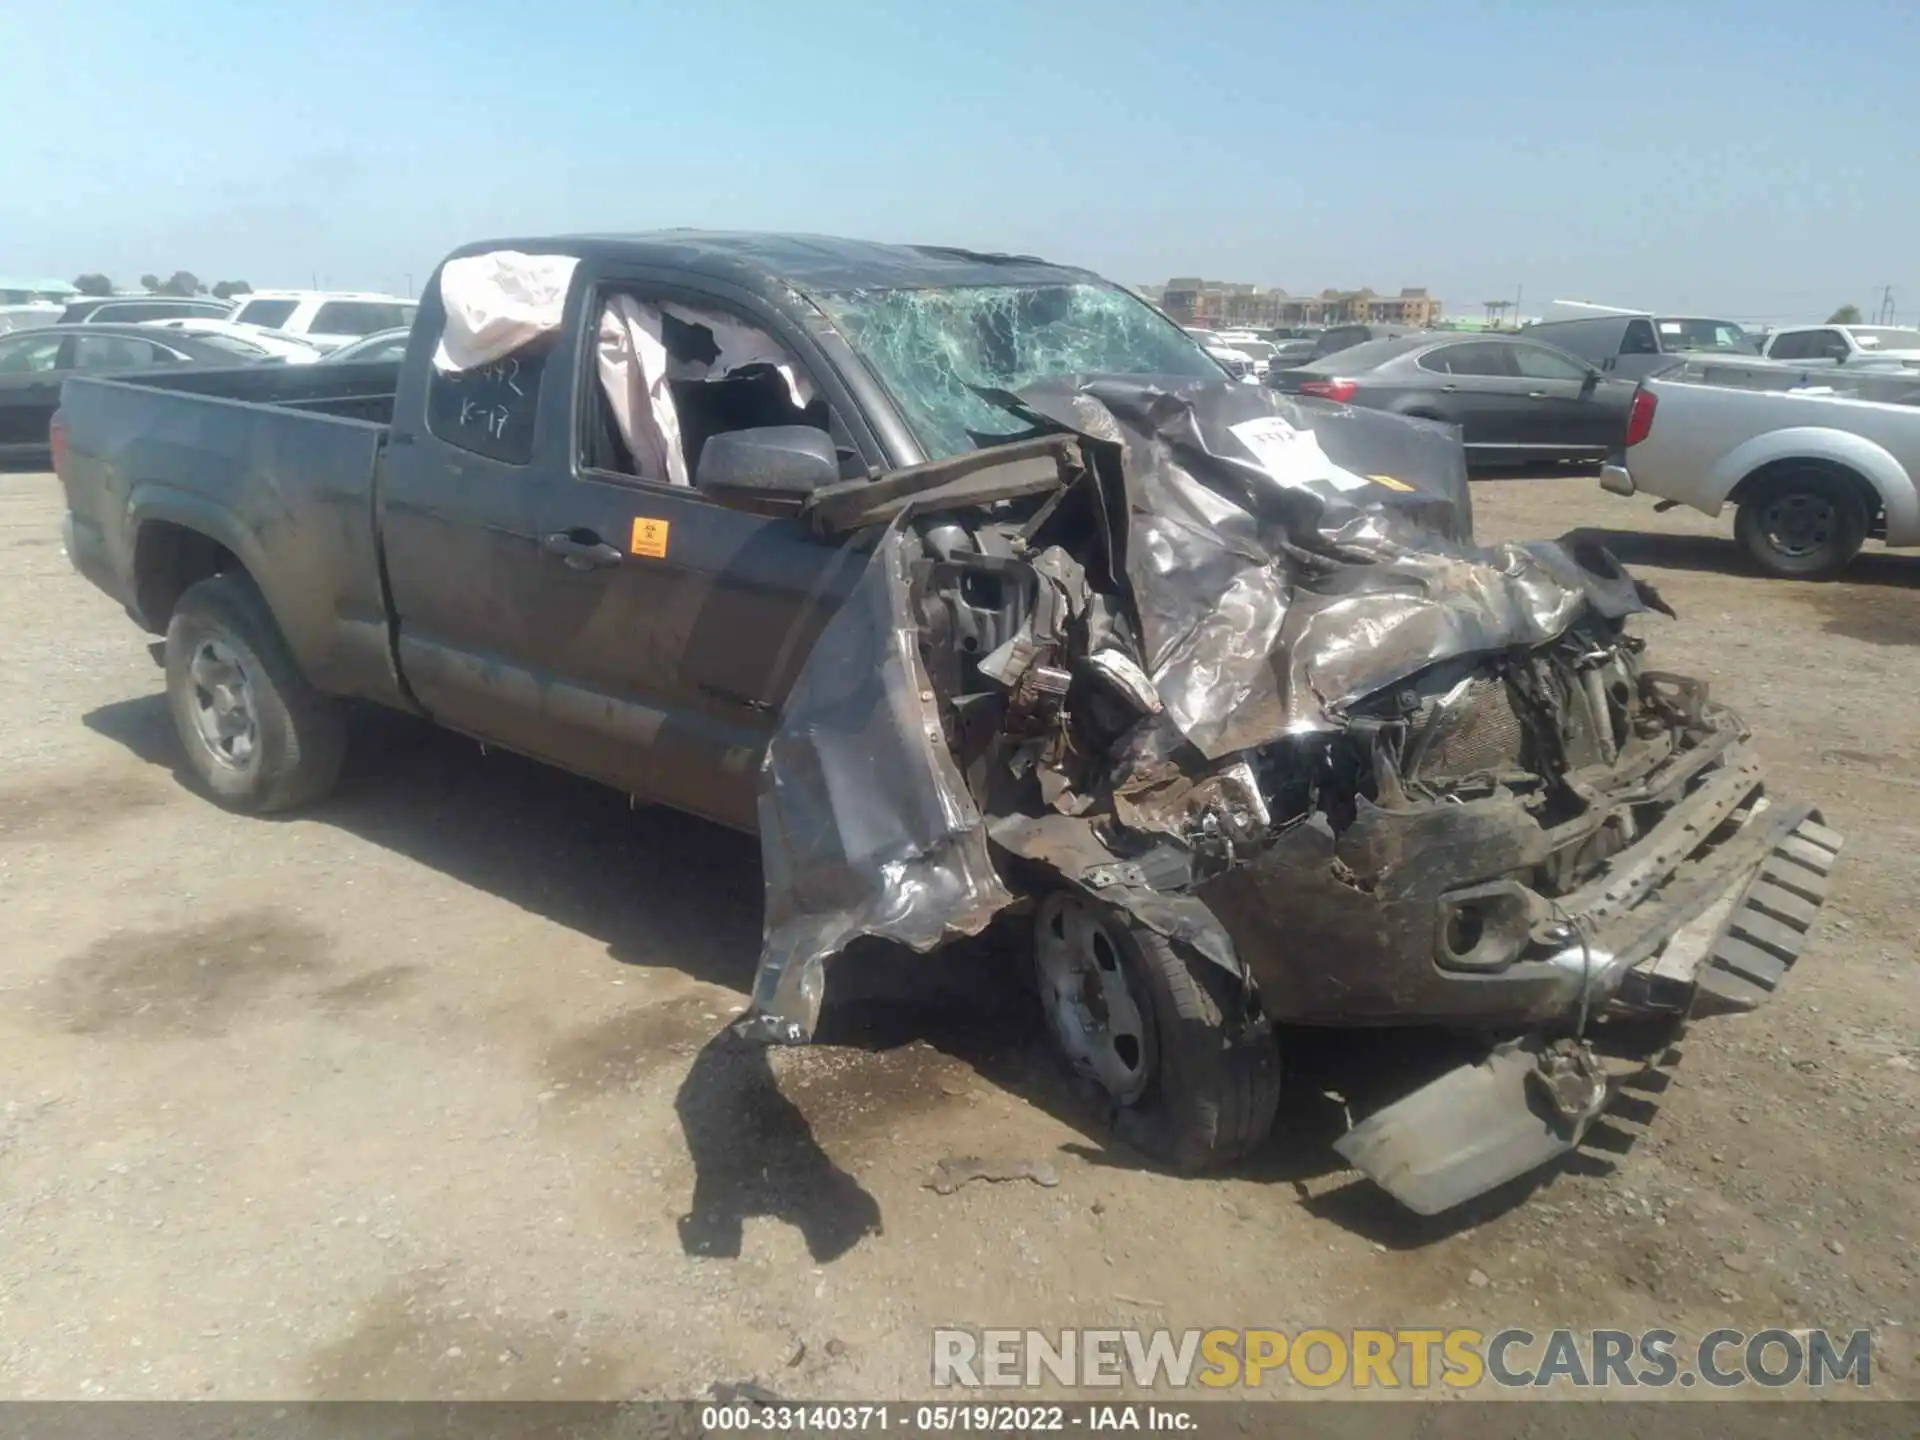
pixel 1232 670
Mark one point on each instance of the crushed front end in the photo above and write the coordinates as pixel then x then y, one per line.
pixel 1234 672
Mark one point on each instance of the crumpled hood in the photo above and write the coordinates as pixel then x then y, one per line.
pixel 1286 559
pixel 1274 561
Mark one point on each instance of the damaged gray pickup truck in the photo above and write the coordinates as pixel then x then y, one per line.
pixel 981 593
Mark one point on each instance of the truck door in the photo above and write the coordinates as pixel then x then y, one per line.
pixel 672 627
pixel 1639 352
pixel 460 494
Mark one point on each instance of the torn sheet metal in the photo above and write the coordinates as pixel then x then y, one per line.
pixel 1252 567
pixel 866 826
pixel 498 302
pixel 1277 580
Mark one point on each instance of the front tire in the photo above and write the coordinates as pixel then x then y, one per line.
pixel 1803 525
pixel 1186 1062
pixel 258 738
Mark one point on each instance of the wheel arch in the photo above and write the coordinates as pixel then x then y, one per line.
pixel 1754 481
pixel 1851 459
pixel 178 541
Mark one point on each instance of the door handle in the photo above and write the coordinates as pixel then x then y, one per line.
pixel 1449 389
pixel 581 549
pixel 1536 395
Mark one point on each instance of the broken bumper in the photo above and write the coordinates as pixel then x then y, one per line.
pixel 1530 1102
pixel 1413 916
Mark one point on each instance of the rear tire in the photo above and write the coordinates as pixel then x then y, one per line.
pixel 1802 525
pixel 258 738
pixel 1185 1060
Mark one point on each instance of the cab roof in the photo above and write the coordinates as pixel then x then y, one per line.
pixel 807 263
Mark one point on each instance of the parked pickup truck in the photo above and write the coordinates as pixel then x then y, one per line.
pixel 1814 461
pixel 977 590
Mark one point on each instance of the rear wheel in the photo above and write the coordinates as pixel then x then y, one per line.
pixel 257 736
pixel 1803 525
pixel 1185 1061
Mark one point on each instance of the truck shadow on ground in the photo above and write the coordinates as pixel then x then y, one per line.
pixel 662 889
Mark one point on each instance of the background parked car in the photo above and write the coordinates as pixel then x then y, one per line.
pixel 33 363
pixel 1514 400
pixel 134 309
pixel 383 346
pixel 1336 338
pixel 1235 361
pixel 1844 345
pixel 1816 461
pixel 328 318
pixel 28 316
pixel 1632 346
pixel 266 344
pixel 1259 351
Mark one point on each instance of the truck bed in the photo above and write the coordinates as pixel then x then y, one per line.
pixel 1887 387
pixel 353 392
pixel 277 463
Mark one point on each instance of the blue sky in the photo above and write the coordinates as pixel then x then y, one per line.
pixel 1757 159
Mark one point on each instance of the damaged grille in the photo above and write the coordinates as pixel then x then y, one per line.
pixel 1479 732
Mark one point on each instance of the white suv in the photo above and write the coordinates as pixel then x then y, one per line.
pixel 324 318
pixel 1889 346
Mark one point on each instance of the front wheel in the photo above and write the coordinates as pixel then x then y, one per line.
pixel 1185 1060
pixel 1804 525
pixel 257 736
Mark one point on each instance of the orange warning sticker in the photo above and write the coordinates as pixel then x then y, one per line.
pixel 1386 480
pixel 649 538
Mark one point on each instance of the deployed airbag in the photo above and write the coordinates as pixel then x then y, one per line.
pixel 497 302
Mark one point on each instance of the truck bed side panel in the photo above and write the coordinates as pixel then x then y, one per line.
pixel 1707 437
pixel 289 492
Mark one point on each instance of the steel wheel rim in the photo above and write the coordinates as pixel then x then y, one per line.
pixel 1799 525
pixel 1089 999
pixel 224 714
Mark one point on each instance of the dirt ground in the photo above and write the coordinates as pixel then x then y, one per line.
pixel 426 1093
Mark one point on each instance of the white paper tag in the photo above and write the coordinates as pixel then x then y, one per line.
pixel 1292 457
pixel 1670 327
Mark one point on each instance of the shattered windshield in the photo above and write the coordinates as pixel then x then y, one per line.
pixel 931 347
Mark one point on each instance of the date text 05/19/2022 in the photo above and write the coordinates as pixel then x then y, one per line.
pixel 940 1419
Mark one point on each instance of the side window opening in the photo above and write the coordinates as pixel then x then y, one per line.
pixel 500 314
pixel 671 376
pixel 269 313
pixel 1639 339
pixel 490 408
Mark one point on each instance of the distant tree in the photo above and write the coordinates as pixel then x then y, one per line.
pixel 93 284
pixel 1845 315
pixel 150 283
pixel 182 282
pixel 227 289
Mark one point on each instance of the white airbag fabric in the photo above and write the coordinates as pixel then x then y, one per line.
pixel 635 369
pixel 497 302
pixel 632 362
